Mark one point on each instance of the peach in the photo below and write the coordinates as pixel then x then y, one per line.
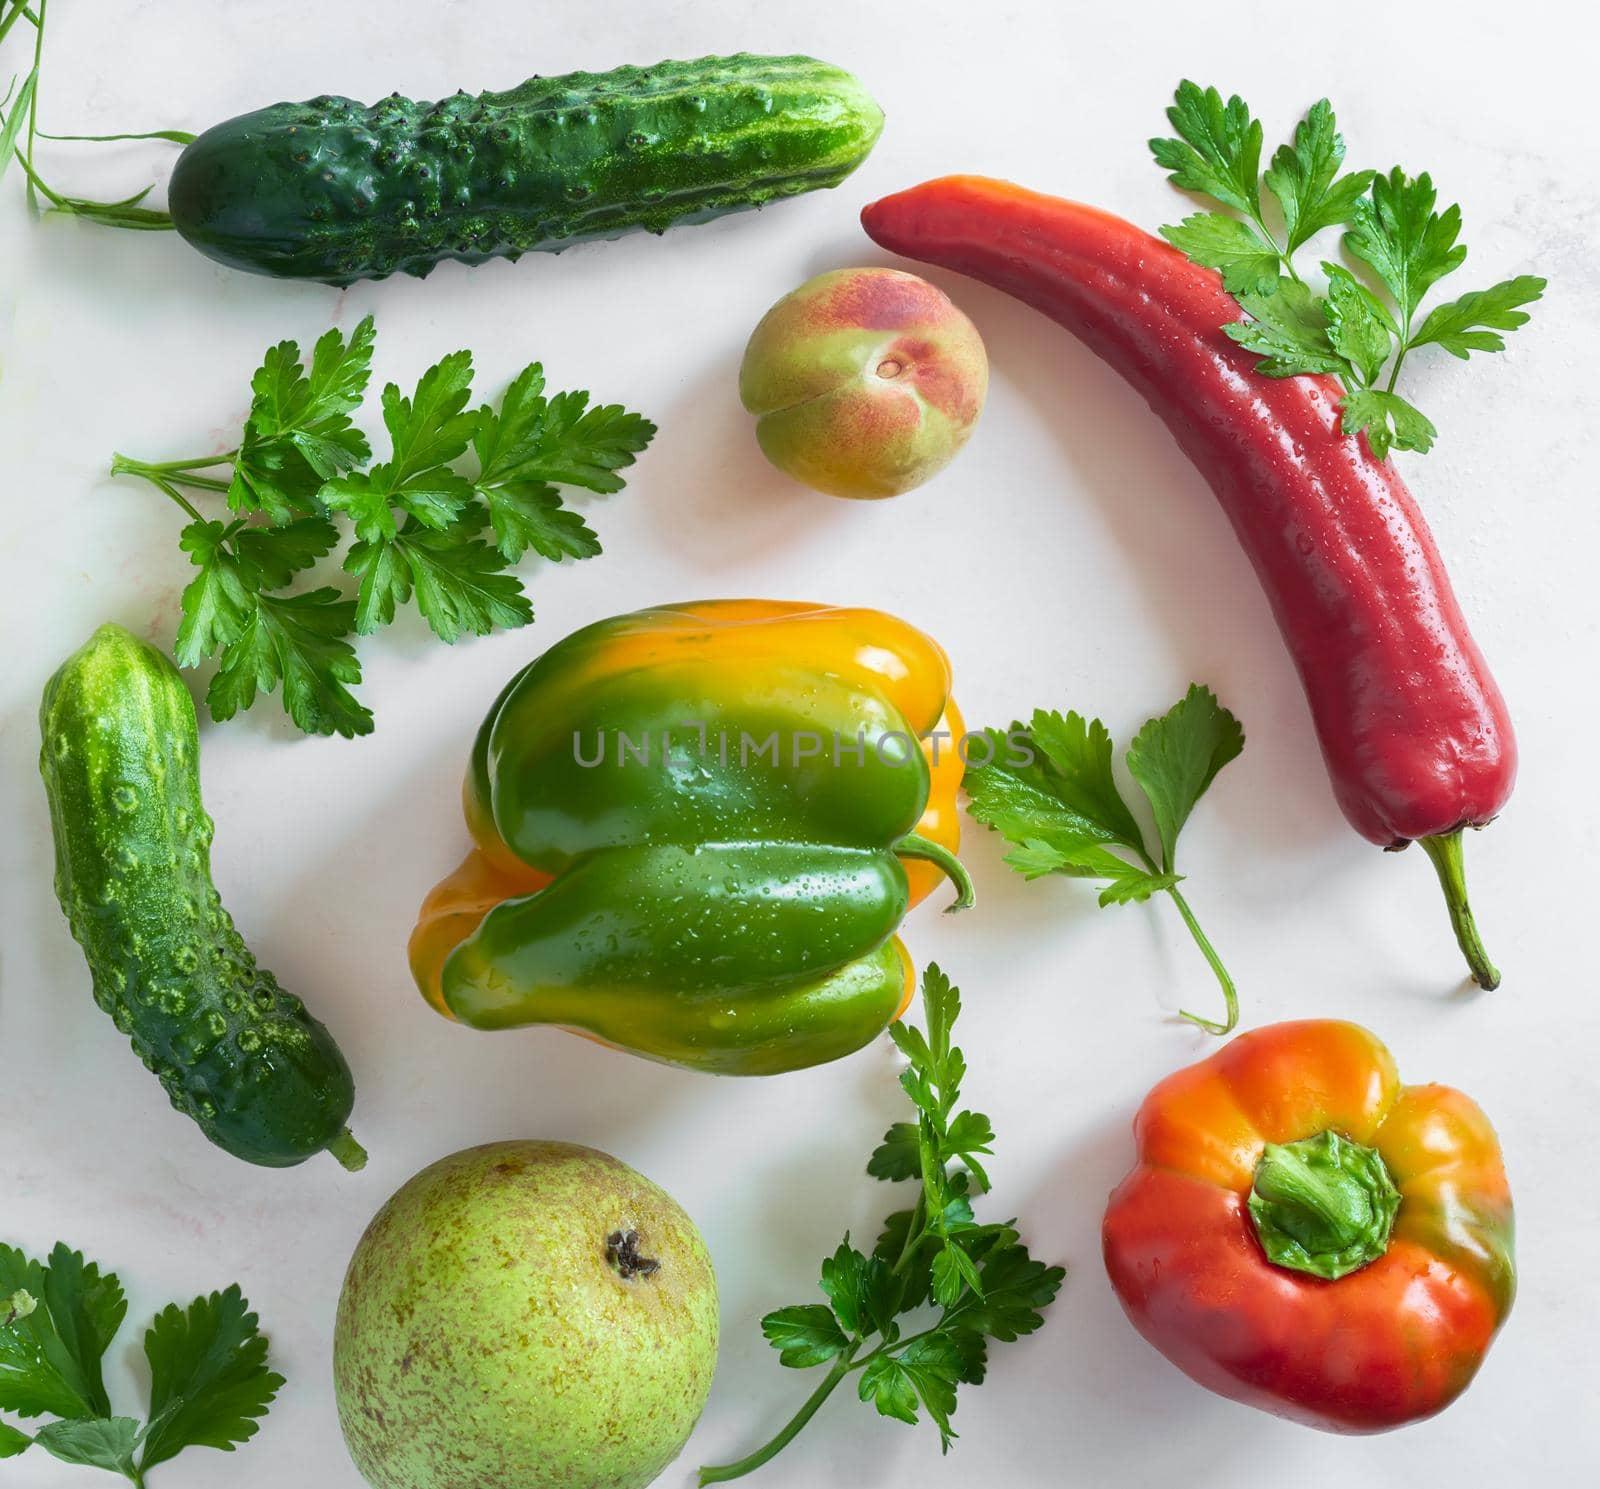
pixel 864 382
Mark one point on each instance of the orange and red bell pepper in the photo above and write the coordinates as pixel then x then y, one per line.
pixel 1307 1235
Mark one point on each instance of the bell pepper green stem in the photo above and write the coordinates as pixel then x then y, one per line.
pixel 724 1472
pixel 1323 1205
pixel 1446 852
pixel 912 845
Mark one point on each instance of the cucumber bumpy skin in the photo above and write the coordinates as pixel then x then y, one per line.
pixel 334 191
pixel 120 759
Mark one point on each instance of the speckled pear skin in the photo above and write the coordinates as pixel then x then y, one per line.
pixel 498 1329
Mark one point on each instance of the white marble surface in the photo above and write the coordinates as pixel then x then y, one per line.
pixel 1069 558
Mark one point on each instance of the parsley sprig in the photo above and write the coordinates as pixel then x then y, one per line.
pixel 1048 787
pixel 419 521
pixel 969 1282
pixel 1365 320
pixel 209 1378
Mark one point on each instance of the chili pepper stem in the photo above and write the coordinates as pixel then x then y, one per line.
pixel 912 845
pixel 724 1472
pixel 1230 993
pixel 348 1151
pixel 1445 850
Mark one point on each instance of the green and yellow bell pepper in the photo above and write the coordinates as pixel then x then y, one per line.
pixel 697 830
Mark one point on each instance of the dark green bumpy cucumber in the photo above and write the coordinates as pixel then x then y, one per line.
pixel 334 191
pixel 263 1079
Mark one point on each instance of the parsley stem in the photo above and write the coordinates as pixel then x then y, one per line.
pixel 169 475
pixel 177 496
pixel 1404 347
pixel 1282 253
pixel 1400 356
pixel 1229 992
pixel 202 483
pixel 724 1472
pixel 899 1345
pixel 122 465
pixel 915 1231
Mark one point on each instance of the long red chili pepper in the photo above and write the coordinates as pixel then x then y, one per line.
pixel 1413 728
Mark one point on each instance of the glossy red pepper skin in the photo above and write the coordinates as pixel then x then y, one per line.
pixel 1413 729
pixel 1391 1343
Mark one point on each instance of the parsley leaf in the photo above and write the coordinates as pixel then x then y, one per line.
pixel 1471 323
pixel 927 1370
pixel 1351 331
pixel 419 521
pixel 888 1385
pixel 460 586
pixel 59 1320
pixel 897 1246
pixel 87 1310
pixel 1049 789
pixel 427 431
pixel 1305 179
pixel 269 558
pixel 296 640
pixel 1288 329
pixel 236 563
pixel 804 1336
pixel 1387 419
pixel 1015 1289
pixel 1248 261
pixel 898 1155
pixel 505 441
pixel 209 1381
pixel 93 1442
pixel 953 1272
pixel 1360 327
pixel 534 442
pixel 980 1278
pixel 1176 758
pixel 1409 245
pixel 432 427
pixel 217 602
pixel 457 578
pixel 1062 808
pixel 530 514
pixel 576 445
pixel 298 432
pixel 1218 151
pixel 858 1287
pixel 209 1378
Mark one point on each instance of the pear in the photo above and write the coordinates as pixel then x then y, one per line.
pixel 524 1313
